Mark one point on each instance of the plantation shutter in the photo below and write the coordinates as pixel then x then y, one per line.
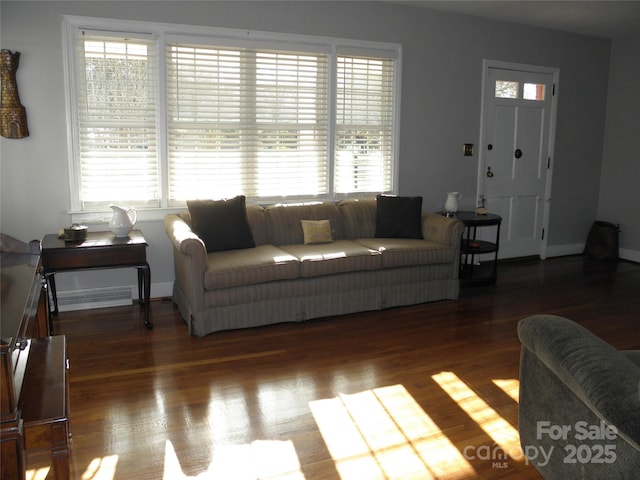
pixel 364 146
pixel 246 121
pixel 116 81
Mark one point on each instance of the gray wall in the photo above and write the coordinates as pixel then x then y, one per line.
pixel 620 182
pixel 441 95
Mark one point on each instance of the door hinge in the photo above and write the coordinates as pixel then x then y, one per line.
pixel 542 234
pixel 553 92
pixel 548 163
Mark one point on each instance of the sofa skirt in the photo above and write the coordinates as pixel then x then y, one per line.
pixel 307 298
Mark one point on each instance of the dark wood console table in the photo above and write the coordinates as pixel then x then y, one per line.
pixel 100 250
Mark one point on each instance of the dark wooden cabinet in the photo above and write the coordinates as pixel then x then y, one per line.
pixel 34 400
pixel 44 402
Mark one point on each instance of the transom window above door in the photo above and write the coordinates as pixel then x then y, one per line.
pixel 510 89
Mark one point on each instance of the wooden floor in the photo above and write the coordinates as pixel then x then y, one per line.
pixel 420 392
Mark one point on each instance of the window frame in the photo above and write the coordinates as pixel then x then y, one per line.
pixel 165 33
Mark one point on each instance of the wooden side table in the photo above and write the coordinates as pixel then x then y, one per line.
pixel 99 251
pixel 470 271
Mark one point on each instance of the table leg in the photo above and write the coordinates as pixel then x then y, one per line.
pixel 140 286
pixel 60 451
pixel 51 281
pixel 144 292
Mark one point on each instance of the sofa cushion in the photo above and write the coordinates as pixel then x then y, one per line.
pixel 283 221
pixel 316 231
pixel 401 252
pixel 398 217
pixel 265 263
pixel 358 217
pixel 255 216
pixel 221 224
pixel 257 223
pixel 337 257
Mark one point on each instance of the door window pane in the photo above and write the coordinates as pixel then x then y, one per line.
pixel 506 89
pixel 533 91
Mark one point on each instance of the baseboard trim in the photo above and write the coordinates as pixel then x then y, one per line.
pixel 564 250
pixel 578 248
pixel 161 289
pixel 631 255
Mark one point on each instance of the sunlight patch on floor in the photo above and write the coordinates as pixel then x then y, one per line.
pixel 504 435
pixel 103 468
pixel 382 434
pixel 510 386
pixel 261 459
pixel 37 473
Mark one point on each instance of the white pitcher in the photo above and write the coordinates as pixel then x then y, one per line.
pixel 451 204
pixel 122 221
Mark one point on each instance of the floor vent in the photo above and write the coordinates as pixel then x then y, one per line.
pixel 72 300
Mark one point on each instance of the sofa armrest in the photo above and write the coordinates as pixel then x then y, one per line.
pixel 183 238
pixel 440 229
pixel 189 257
pixel 601 377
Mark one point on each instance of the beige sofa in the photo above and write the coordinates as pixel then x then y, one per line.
pixel 282 279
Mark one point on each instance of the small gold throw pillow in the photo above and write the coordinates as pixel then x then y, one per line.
pixel 316 231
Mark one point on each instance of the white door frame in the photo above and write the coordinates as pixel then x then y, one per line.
pixel 555 72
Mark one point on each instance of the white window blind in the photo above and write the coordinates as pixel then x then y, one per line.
pixel 159 114
pixel 364 124
pixel 116 113
pixel 246 121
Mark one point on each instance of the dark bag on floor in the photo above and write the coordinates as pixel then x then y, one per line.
pixel 602 241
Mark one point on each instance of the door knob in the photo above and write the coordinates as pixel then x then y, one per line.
pixel 489 172
pixel 517 153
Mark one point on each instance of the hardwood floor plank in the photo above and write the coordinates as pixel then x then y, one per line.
pixel 282 400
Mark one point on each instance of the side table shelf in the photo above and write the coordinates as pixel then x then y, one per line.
pixel 473 271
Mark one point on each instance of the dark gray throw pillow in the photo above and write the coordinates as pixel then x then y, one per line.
pixel 398 217
pixel 221 224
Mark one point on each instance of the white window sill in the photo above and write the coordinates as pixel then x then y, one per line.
pixel 104 216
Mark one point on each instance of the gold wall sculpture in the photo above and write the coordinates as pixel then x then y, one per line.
pixel 13 117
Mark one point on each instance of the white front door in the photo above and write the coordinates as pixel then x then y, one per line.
pixel 516 144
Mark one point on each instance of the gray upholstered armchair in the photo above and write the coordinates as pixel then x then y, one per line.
pixel 579 414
